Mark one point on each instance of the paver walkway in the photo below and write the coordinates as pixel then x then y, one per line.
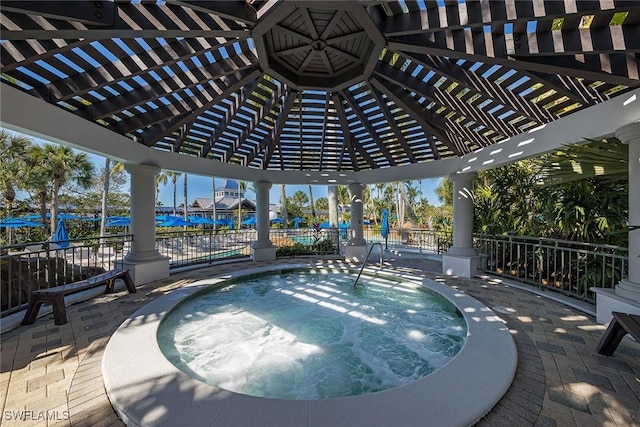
pixel 51 375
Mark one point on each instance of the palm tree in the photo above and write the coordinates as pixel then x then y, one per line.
pixel 313 207
pixel 241 187
pixel 174 181
pixel 14 151
pixel 162 178
pixel 63 166
pixel 284 212
pixel 185 197
pixel 12 167
pixel 106 181
pixel 213 205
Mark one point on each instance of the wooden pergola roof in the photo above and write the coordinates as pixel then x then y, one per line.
pixel 321 86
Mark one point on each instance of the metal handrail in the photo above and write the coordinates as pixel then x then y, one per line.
pixel 364 262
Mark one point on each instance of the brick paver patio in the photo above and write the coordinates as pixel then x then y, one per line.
pixel 51 375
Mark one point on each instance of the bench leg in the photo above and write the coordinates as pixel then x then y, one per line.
pixel 32 312
pixel 57 303
pixel 59 310
pixel 129 282
pixel 612 337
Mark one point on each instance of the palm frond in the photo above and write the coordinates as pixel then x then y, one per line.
pixel 607 159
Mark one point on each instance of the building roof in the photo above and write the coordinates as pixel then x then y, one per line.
pixel 222 203
pixel 308 87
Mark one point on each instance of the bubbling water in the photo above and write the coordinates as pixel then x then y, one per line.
pixel 302 334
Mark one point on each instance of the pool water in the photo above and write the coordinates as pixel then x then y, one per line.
pixel 302 334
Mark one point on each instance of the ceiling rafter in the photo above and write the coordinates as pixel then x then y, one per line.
pixel 610 39
pixel 155 133
pixel 476 14
pixel 364 119
pixel 164 88
pixel 269 142
pixel 327 102
pixel 392 123
pixel 131 20
pixel 411 107
pixel 264 110
pixel 235 10
pixel 484 89
pixel 346 133
pixel 229 114
pixel 492 49
pixel 180 51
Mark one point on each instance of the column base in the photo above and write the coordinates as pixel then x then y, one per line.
pixel 608 300
pixel 263 253
pixel 148 270
pixel 355 253
pixel 463 266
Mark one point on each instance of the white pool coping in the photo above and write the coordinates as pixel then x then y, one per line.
pixel 145 389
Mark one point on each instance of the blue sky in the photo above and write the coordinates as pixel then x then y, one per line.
pixel 200 186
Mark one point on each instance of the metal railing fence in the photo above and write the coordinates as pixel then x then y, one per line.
pixel 571 268
pixel 422 240
pixel 32 266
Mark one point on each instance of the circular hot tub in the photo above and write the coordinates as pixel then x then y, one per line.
pixel 176 360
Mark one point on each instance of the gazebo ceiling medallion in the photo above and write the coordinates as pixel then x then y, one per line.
pixel 318 45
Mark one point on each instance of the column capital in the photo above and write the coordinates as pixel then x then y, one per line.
pixel 460 176
pixel 356 186
pixel 262 184
pixel 142 168
pixel 628 133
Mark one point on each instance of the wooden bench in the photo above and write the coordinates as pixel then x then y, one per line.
pixel 621 325
pixel 55 296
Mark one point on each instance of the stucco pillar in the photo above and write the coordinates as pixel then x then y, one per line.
pixel 462 259
pixel 356 248
pixel 262 249
pixel 626 296
pixel 143 260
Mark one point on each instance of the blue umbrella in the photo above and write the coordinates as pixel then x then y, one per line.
pixel 384 230
pixel 61 236
pixel 48 215
pixel 342 225
pixel 176 222
pixel 17 222
pixel 297 220
pixel 249 221
pixel 200 220
pixel 119 222
pixel 276 221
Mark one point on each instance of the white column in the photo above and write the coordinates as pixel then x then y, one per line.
pixel 462 259
pixel 463 214
pixel 626 296
pixel 143 260
pixel 357 209
pixel 356 249
pixel 262 249
pixel 332 197
pixel 630 287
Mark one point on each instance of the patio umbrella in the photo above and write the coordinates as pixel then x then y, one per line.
pixel 200 220
pixel 60 235
pixel 17 222
pixel 276 221
pixel 119 222
pixel 297 220
pixel 166 217
pixel 176 222
pixel 384 230
pixel 48 215
pixel 249 221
